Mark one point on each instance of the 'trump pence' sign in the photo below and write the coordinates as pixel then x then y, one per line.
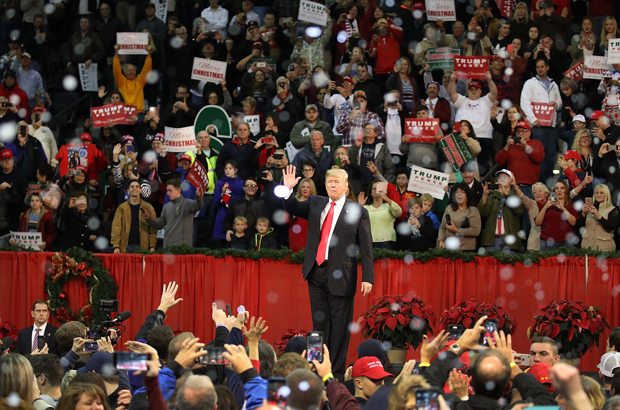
pixel 198 176
pixel 425 181
pixel 613 51
pixel 180 139
pixel 312 13
pixel 208 70
pixel 132 43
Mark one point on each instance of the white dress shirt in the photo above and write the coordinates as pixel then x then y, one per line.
pixel 393 131
pixel 218 19
pixel 337 210
pixel 34 333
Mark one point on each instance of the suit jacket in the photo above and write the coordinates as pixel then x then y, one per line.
pixel 23 345
pixel 352 227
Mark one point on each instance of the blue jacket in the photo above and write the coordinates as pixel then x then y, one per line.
pixel 323 163
pixel 167 380
pixel 434 218
pixel 255 389
pixel 242 153
pixel 233 380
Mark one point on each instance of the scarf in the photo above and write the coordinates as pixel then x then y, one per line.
pixel 590 40
pixel 350 27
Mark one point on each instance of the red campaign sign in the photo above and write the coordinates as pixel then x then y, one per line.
pixel 114 113
pixel 575 72
pixel 544 113
pixel 198 176
pixel 422 129
pixel 506 8
pixel 130 111
pixel 471 67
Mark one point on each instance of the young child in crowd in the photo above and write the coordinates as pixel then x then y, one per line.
pixel 427 205
pixel 238 239
pixel 423 233
pixel 265 238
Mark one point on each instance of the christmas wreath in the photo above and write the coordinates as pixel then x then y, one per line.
pixel 78 263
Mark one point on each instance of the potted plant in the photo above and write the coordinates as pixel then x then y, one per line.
pixel 399 320
pixel 573 325
pixel 468 312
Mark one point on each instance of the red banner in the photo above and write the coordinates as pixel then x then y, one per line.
pixel 544 113
pixel 575 72
pixel 473 68
pixel 422 129
pixel 114 113
pixel 198 176
pixel 506 8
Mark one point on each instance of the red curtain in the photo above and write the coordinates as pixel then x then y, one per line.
pixel 276 290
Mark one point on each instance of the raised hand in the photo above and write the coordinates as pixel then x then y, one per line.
pixel 167 297
pixel 289 178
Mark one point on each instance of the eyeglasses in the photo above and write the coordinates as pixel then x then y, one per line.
pixel 251 186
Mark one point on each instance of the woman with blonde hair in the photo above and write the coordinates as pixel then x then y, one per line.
pixel 79 396
pixel 532 206
pixel 582 144
pixel 601 219
pixel 610 30
pixel 521 22
pixel 18 377
pixel 592 389
pixel 298 227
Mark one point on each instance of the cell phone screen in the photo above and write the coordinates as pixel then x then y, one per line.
pixel 90 347
pixel 454 333
pixel 91 334
pixel 277 391
pixel 131 361
pixel 215 356
pixel 41 341
pixel 129 148
pixel 426 399
pixel 314 346
pixel 278 156
pixel 490 326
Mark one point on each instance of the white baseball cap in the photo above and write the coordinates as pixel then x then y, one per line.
pixel 609 362
pixel 580 117
pixel 504 171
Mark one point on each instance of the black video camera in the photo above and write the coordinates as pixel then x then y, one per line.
pixel 102 330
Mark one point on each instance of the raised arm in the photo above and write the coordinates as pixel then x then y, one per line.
pixel 452 89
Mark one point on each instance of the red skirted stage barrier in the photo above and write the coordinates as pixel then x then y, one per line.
pixel 276 290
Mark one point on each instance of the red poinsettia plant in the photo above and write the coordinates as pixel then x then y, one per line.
pixel 8 330
pixel 572 324
pixel 468 312
pixel 400 320
pixel 280 344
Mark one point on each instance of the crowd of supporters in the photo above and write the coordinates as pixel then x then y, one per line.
pixel 320 97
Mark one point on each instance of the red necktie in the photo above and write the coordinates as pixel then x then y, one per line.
pixel 325 230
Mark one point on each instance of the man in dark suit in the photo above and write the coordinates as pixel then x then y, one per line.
pixel 27 340
pixel 337 228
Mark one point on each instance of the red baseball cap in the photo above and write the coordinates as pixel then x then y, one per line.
pixel 370 367
pixel 186 157
pixel 80 168
pixel 572 155
pixel 540 371
pixel 419 5
pixel 475 84
pixel 524 124
pixel 257 44
pixel 6 154
pixel 86 137
pixel 349 79
pixel 596 114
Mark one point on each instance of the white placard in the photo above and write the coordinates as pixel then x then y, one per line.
pixel 180 139
pixel 312 13
pixel 132 43
pixel 440 10
pixel 208 70
pixel 291 151
pixel 254 122
pixel 27 240
pixel 500 114
pixel 425 181
pixel 88 77
pixel 161 9
pixel 613 51
pixel 597 67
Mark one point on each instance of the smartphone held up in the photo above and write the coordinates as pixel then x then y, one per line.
pixel 314 346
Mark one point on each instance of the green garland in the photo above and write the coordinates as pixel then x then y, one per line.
pixel 71 265
pixel 531 257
